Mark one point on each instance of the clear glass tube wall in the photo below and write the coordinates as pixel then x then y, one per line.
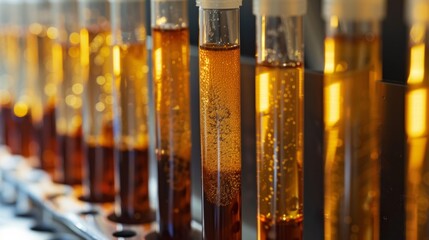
pixel 280 126
pixel 170 36
pixel 416 119
pixel 97 72
pixel 220 122
pixel 351 147
pixel 40 37
pixel 130 99
pixel 69 85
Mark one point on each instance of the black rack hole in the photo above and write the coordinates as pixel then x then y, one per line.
pixel 89 212
pixel 124 234
pixel 43 228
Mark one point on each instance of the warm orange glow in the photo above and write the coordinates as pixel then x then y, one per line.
pixel 417 64
pixel 329 55
pixel 417 150
pixel 334 22
pixel 57 63
pixel 416 113
pixel 20 109
pixel 116 60
pixel 158 62
pixel 262 82
pixel 84 47
pixel 332 104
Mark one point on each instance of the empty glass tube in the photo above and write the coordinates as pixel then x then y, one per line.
pixel 69 85
pixel 130 112
pixel 279 117
pixel 97 71
pixel 220 118
pixel 352 67
pixel 416 118
pixel 170 35
pixel 40 38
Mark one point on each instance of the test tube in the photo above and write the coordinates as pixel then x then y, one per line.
pixel 416 118
pixel 279 117
pixel 5 95
pixel 68 77
pixel 220 118
pixel 130 70
pixel 40 38
pixel 97 72
pixel 19 51
pixel 170 35
pixel 352 142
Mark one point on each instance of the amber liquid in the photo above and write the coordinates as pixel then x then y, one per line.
pixel 132 202
pixel 171 78
pixel 280 126
pixel 99 175
pixel 48 142
pixel 6 124
pixel 222 215
pixel 220 140
pixel 280 229
pixel 22 136
pixel 174 193
pixel 352 191
pixel 69 169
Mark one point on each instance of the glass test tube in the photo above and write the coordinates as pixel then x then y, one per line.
pixel 352 67
pixel 40 38
pixel 5 95
pixel 68 76
pixel 416 118
pixel 220 117
pixel 97 72
pixel 19 50
pixel 280 120
pixel 130 70
pixel 170 35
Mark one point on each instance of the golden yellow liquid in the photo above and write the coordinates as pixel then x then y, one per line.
pixel 280 125
pixel 97 71
pixel 416 118
pixel 220 140
pixel 130 71
pixel 171 75
pixel 352 191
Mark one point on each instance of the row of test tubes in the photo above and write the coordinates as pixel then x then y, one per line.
pixel 74 100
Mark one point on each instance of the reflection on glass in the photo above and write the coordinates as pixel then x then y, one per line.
pixel 416 128
pixel 352 67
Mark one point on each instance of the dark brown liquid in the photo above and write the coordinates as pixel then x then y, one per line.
pixel 6 124
pixel 174 194
pixel 222 221
pixel 69 168
pixel 280 229
pixel 22 136
pixel 99 176
pixel 47 137
pixel 133 198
